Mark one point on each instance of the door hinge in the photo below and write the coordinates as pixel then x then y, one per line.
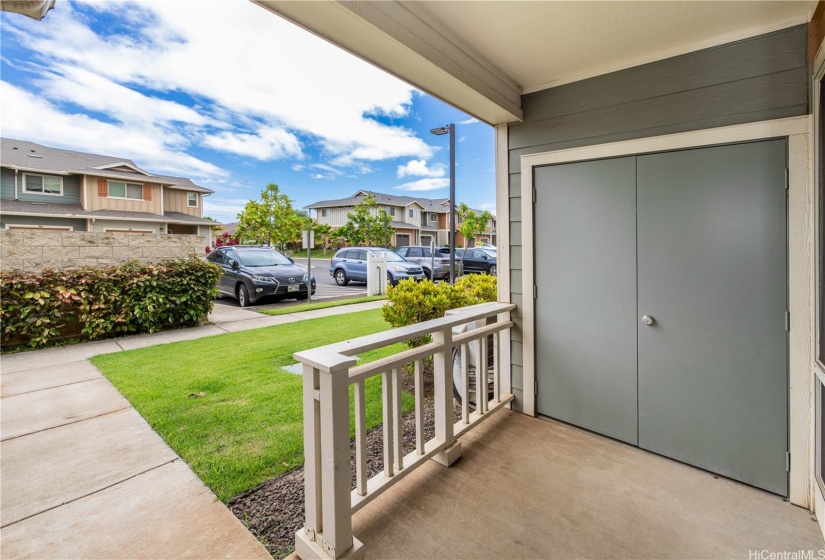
pixel 534 194
pixel 535 292
pixel 788 461
pixel 535 386
pixel 788 321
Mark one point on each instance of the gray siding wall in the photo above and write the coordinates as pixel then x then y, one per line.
pixel 6 183
pixel 757 79
pixel 71 188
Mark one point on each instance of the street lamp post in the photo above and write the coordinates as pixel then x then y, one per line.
pixel 450 129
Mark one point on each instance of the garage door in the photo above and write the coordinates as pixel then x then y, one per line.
pixel 402 240
pixel 661 314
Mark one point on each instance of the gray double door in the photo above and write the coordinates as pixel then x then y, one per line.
pixel 696 241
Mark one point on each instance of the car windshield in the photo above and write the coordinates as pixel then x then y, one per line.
pixel 392 256
pixel 491 252
pixel 262 258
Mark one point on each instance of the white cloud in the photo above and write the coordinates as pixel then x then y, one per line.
pixel 491 206
pixel 29 117
pixel 462 138
pixel 297 167
pixel 419 168
pixel 268 143
pixel 430 184
pixel 224 210
pixel 263 85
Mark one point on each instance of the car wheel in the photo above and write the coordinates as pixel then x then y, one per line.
pixel 341 277
pixel 428 274
pixel 243 296
pixel 492 270
pixel 390 280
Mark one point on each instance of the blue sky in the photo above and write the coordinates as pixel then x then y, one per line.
pixel 233 97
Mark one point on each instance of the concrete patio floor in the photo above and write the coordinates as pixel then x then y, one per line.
pixel 535 488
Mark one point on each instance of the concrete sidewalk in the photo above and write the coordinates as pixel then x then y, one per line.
pixel 84 476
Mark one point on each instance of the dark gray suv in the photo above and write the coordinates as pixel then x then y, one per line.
pixel 252 272
pixel 350 264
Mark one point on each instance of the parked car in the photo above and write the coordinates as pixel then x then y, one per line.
pixel 479 260
pixel 350 264
pixel 438 261
pixel 253 272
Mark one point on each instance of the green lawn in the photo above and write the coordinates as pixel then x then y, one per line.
pixel 317 253
pixel 248 428
pixel 321 305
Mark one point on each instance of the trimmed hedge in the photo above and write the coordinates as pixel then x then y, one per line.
pixel 93 303
pixel 412 302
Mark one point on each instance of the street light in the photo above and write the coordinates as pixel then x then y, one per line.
pixel 450 129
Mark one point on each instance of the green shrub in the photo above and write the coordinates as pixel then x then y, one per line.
pixel 411 302
pixel 93 303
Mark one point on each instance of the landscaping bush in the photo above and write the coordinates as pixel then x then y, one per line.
pixel 93 303
pixel 412 302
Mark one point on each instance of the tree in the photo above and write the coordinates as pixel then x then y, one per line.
pixel 324 233
pixel 472 225
pixel 367 224
pixel 270 220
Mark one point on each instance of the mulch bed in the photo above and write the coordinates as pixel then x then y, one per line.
pixel 274 510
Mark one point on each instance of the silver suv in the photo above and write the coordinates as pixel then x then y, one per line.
pixel 437 268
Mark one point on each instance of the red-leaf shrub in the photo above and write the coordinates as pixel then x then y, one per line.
pixel 93 303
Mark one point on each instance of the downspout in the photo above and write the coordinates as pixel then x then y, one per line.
pixel 15 184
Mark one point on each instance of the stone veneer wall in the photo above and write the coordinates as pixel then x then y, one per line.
pixel 34 251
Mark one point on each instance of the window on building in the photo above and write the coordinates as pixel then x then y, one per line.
pixel 192 199
pixel 118 189
pixel 390 210
pixel 412 213
pixel 324 213
pixel 433 217
pixel 42 184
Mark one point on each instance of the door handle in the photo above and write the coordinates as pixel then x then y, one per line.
pixel 648 320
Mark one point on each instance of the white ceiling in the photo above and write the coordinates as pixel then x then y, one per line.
pixel 542 44
pixel 482 56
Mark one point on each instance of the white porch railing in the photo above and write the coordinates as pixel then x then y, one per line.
pixel 328 373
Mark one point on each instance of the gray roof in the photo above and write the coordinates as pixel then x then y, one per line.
pixel 429 204
pixel 8 206
pixel 403 225
pixel 36 157
pixel 433 205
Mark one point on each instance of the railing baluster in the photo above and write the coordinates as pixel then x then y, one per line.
pixel 360 440
pixel 419 406
pixel 497 365
pixel 465 383
pixel 481 376
pixel 386 393
pixel 312 451
pixel 396 418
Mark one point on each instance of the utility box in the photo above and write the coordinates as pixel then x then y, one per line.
pixel 376 274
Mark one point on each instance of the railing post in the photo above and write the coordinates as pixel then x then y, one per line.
pixel 327 534
pixel 443 396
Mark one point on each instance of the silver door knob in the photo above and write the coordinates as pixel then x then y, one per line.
pixel 648 320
